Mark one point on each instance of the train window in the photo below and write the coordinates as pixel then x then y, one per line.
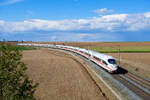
pixel 81 51
pixel 112 61
pixel 85 53
pixel 97 58
pixel 104 62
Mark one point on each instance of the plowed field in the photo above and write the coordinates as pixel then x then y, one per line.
pixel 59 76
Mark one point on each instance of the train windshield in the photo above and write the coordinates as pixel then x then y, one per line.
pixel 112 61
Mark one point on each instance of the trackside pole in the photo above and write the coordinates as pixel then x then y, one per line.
pixel 119 54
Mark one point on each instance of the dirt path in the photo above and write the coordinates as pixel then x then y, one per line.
pixel 60 77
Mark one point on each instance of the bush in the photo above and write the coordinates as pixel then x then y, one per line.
pixel 14 83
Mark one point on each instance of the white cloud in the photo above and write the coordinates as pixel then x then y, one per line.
pixel 1 22
pixel 82 35
pixel 147 14
pixel 97 37
pixel 103 11
pixel 53 38
pixel 107 23
pixel 114 17
pixel 7 2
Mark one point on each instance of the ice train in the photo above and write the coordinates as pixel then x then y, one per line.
pixel 105 61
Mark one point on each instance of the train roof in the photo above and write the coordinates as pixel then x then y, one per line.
pixel 100 55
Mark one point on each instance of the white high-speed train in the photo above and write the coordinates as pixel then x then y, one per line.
pixel 105 61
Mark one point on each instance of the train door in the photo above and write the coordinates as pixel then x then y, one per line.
pixel 104 64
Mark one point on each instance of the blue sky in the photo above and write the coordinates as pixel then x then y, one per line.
pixel 75 20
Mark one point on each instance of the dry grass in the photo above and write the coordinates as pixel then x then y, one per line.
pixel 60 77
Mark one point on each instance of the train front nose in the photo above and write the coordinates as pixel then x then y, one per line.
pixel 114 67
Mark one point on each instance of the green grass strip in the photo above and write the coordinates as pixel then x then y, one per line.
pixel 15 47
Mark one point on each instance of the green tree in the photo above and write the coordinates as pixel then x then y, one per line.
pixel 14 83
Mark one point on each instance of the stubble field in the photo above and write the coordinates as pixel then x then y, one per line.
pixel 60 77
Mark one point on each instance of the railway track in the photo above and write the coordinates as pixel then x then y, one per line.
pixel 144 83
pixel 138 85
